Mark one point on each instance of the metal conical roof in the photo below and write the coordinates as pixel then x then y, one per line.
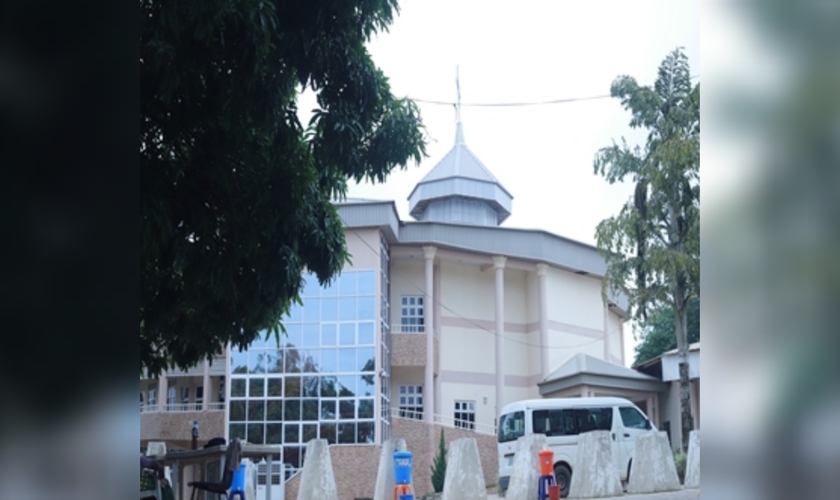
pixel 460 189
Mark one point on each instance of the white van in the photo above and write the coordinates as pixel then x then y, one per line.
pixel 561 420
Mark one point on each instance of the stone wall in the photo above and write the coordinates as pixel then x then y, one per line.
pixel 422 441
pixel 355 466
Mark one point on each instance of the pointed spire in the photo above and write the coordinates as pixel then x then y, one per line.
pixel 459 129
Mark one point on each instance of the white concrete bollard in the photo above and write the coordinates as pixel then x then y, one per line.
pixel 594 475
pixel 653 468
pixel 692 464
pixel 385 480
pixel 317 480
pixel 156 449
pixel 464 478
pixel 526 468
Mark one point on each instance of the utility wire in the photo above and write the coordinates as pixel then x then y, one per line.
pixel 515 104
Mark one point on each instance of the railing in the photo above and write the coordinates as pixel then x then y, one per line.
pixel 182 408
pixel 446 421
pixel 408 329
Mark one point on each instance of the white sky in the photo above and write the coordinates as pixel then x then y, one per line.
pixel 531 51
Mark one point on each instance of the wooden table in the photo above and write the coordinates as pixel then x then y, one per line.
pixel 178 459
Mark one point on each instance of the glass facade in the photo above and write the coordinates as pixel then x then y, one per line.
pixel 385 338
pixel 320 382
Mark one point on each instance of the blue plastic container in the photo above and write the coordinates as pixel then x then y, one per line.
pixel 402 467
pixel 407 497
pixel 237 487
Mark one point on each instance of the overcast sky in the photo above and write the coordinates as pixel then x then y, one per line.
pixel 529 51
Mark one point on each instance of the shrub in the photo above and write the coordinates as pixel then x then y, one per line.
pixel 680 459
pixel 439 466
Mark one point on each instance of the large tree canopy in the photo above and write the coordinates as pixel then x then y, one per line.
pixel 652 247
pixel 236 195
pixel 657 335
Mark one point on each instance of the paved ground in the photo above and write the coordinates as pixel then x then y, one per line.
pixel 671 495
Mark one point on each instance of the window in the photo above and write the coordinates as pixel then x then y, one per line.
pixel 511 426
pixel 171 395
pixel 199 396
pixel 222 391
pixel 554 422
pixel 633 419
pixel 411 401
pixel 465 414
pixel 152 397
pixel 185 395
pixel 593 419
pixel 411 318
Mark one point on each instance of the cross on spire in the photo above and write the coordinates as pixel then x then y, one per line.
pixel 458 102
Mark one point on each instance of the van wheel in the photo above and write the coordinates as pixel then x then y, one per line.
pixel 563 478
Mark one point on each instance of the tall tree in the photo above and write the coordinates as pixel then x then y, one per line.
pixel 236 194
pixel 652 247
pixel 657 336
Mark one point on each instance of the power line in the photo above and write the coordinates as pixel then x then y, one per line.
pixel 515 104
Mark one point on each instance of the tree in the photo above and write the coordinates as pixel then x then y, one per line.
pixel 236 194
pixel 439 465
pixel 652 247
pixel 657 336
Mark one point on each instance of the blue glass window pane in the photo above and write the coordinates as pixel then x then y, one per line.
pixel 367 283
pixel 329 309
pixel 366 408
pixel 238 361
pixel 310 335
pixel 346 433
pixel 365 433
pixel 329 387
pixel 347 385
pixel 274 361
pixel 237 431
pixel 329 360
pixel 312 310
pixel 274 410
pixel 366 385
pixel 328 334
pixel 347 334
pixel 291 433
pixel 366 359
pixel 311 361
pixel 273 434
pixel 255 433
pixel 311 288
pixel 295 313
pixel 328 409
pixel 293 333
pixel 256 361
pixel 346 409
pixel 291 409
pixel 347 360
pixel 331 289
pixel 237 388
pixel 310 409
pixel 347 283
pixel 365 308
pixel 347 308
pixel 366 333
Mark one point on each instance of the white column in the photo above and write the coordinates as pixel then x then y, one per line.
pixel 162 389
pixel 499 265
pixel 542 270
pixel 428 319
pixel 205 399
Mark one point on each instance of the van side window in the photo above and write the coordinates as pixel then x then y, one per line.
pixel 554 422
pixel 511 426
pixel 593 419
pixel 632 418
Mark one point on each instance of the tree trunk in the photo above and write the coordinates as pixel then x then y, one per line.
pixel 685 387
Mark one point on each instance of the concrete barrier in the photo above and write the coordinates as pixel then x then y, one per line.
pixel 156 449
pixel 653 468
pixel 692 464
pixel 385 480
pixel 526 468
pixel 594 475
pixel 317 481
pixel 464 478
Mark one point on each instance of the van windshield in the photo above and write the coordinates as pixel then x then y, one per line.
pixel 511 426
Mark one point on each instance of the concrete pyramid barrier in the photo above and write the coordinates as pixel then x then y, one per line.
pixel 653 468
pixel 385 480
pixel 692 464
pixel 317 480
pixel 526 468
pixel 464 478
pixel 594 475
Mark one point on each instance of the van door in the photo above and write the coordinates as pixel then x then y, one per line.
pixel 600 419
pixel 631 423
